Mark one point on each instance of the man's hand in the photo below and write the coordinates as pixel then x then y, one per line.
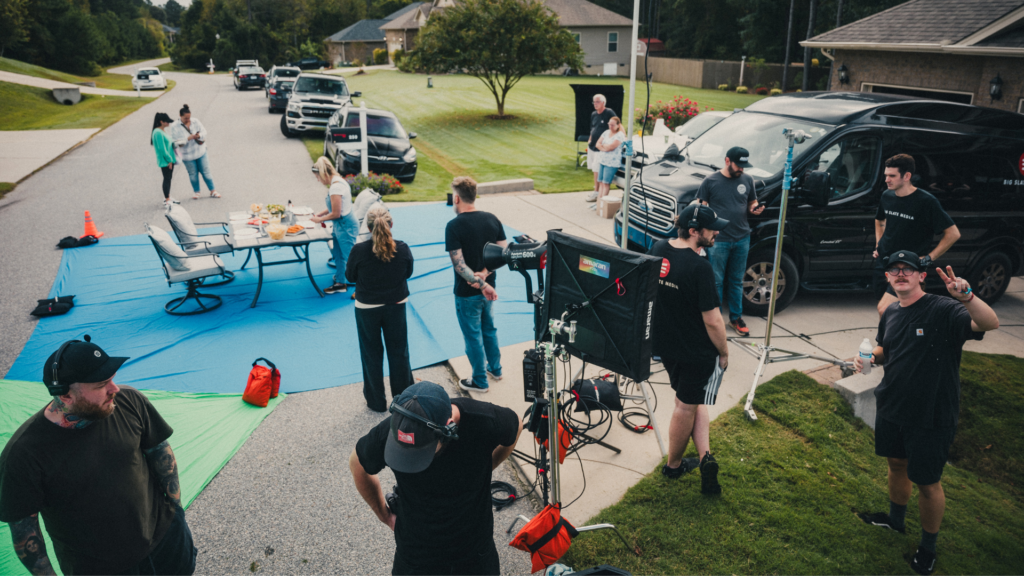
pixel 482 275
pixel 390 520
pixel 489 292
pixel 925 261
pixel 875 253
pixel 723 362
pixel 958 287
pixel 756 208
pixel 858 363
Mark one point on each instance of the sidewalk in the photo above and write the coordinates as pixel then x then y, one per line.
pixel 51 84
pixel 22 152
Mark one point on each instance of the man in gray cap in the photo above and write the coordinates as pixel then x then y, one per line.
pixel 730 193
pixel 442 452
pixel 99 471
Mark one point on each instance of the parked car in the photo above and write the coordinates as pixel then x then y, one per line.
pixel 968 157
pixel 279 94
pixel 240 63
pixel 149 79
pixel 310 64
pixel 390 151
pixel 279 73
pixel 248 76
pixel 315 97
pixel 651 149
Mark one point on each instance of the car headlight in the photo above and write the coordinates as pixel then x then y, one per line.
pixel 410 156
pixel 354 153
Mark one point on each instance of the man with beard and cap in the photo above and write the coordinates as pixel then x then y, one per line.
pixel 95 462
pixel 442 452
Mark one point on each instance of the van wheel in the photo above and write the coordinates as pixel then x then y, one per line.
pixel 990 278
pixel 284 127
pixel 757 282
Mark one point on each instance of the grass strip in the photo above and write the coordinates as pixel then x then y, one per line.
pixel 30 108
pixel 6 187
pixel 104 80
pixel 792 483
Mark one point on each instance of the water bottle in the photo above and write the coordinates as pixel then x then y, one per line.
pixel 289 216
pixel 865 356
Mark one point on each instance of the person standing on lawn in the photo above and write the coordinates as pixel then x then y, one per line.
pixel 96 464
pixel 609 156
pixel 689 335
pixel 339 211
pixel 464 239
pixel 920 340
pixel 190 136
pixel 731 193
pixel 907 219
pixel 381 268
pixel 598 124
pixel 165 157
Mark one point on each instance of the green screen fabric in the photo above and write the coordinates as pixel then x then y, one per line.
pixel 208 430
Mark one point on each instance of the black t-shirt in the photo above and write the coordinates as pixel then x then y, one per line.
pixel 686 288
pixel 598 124
pixel 469 232
pixel 910 222
pixel 921 345
pixel 444 512
pixel 377 281
pixel 102 507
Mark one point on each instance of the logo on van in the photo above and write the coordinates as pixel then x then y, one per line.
pixel 1020 165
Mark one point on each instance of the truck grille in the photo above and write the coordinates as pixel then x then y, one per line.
pixel 651 209
pixel 317 112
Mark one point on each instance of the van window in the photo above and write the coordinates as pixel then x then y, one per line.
pixel 852 163
pixel 761 135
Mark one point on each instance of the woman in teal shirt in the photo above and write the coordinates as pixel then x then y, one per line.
pixel 165 157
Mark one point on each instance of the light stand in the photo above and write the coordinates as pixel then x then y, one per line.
pixel 765 350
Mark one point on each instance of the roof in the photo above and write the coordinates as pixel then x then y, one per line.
pixel 930 26
pixel 405 21
pixel 580 14
pixel 404 10
pixel 361 31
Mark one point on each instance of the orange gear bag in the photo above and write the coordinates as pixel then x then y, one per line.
pixel 546 537
pixel 263 384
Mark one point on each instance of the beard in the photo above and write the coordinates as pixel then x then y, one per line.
pixel 704 242
pixel 733 172
pixel 89 411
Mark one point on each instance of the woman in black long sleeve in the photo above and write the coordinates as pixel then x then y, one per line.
pixel 380 268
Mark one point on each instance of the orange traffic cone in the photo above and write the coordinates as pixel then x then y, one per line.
pixel 90 227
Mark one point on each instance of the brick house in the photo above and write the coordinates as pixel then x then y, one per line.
pixel 968 51
pixel 358 41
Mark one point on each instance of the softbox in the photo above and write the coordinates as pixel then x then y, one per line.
pixel 614 95
pixel 610 293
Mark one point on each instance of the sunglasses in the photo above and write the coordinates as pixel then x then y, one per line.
pixel 900 271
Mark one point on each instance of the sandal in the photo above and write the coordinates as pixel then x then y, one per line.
pixel 195 196
pixel 214 194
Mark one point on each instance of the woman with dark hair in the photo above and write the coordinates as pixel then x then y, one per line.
pixel 165 157
pixel 189 135
pixel 381 268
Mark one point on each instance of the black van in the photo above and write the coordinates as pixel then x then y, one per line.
pixel 970 158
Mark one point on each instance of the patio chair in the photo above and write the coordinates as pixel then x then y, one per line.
pixel 194 243
pixel 180 267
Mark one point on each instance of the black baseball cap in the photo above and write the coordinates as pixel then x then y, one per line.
pixel 412 443
pixel 81 361
pixel 698 216
pixel 905 256
pixel 739 156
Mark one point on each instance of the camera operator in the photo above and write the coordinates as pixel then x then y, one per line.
pixel 442 452
pixel 689 336
pixel 920 340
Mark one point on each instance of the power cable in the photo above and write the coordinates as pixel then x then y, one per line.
pixel 499 487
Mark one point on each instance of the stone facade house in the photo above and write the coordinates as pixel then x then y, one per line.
pixel 358 41
pixel 969 51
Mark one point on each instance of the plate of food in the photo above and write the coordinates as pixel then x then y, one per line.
pixel 246 233
pixel 296 229
pixel 256 222
pixel 302 210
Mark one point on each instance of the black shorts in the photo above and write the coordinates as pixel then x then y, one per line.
pixel 695 381
pixel 925 449
pixel 879 283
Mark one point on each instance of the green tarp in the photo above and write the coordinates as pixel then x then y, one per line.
pixel 208 430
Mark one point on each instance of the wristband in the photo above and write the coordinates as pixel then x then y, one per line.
pixel 969 299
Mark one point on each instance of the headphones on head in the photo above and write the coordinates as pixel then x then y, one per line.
pixel 56 388
pixel 445 433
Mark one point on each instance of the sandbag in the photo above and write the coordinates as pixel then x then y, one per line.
pixel 263 383
pixel 546 537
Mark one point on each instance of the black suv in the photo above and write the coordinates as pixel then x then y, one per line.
pixel 970 158
pixel 246 76
pixel 390 151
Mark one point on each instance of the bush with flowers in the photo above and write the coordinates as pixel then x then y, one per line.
pixel 675 113
pixel 383 184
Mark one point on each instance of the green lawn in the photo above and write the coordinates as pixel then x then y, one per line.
pixel 457 138
pixel 793 481
pixel 29 108
pixel 6 187
pixel 104 80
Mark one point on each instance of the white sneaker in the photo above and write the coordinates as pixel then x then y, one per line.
pixel 592 197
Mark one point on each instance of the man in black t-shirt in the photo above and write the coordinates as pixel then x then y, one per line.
pixel 907 219
pixel 101 473
pixel 920 340
pixel 689 336
pixel 598 124
pixel 442 452
pixel 464 239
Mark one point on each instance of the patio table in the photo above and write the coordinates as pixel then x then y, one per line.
pixel 299 243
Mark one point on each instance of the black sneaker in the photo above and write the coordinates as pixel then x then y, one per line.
pixel 688 465
pixel 709 476
pixel 469 386
pixel 336 288
pixel 880 519
pixel 923 561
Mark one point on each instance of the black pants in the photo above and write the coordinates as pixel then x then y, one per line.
pixel 168 172
pixel 174 554
pixel 483 563
pixel 371 322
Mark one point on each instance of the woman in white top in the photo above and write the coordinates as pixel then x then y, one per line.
pixel 609 155
pixel 189 136
pixel 339 210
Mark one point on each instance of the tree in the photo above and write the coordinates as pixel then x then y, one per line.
pixel 13 23
pixel 497 42
pixel 173 10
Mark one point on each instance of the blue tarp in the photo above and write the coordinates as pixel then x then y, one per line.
pixel 120 292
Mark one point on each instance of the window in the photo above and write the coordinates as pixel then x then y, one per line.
pixel 852 163
pixel 613 41
pixel 576 37
pixel 947 95
pixel 383 126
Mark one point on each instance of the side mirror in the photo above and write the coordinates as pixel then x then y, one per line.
pixel 816 189
pixel 357 94
pixel 412 135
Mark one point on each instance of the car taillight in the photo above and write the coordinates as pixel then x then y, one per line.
pixel 263 75
pixel 272 91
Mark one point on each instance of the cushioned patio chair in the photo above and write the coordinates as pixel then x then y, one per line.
pixel 195 244
pixel 180 267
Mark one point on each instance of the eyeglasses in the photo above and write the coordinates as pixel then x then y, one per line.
pixel 900 271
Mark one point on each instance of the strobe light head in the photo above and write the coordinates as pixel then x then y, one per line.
pixel 519 256
pixel 798 136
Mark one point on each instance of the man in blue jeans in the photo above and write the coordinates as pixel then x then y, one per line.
pixel 464 239
pixel 730 193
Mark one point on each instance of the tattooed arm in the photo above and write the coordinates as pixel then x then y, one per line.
pixel 162 462
pixel 466 273
pixel 30 546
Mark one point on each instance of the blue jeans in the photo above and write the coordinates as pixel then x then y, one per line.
pixel 729 260
pixel 345 231
pixel 606 174
pixel 197 167
pixel 477 322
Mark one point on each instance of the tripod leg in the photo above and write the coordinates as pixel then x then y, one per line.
pixel 611 527
pixel 654 421
pixel 516 521
pixel 748 408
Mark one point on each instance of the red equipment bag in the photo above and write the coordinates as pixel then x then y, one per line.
pixel 564 438
pixel 546 537
pixel 263 384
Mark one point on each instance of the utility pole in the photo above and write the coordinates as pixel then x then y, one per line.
pixel 248 10
pixel 807 51
pixel 839 13
pixel 789 43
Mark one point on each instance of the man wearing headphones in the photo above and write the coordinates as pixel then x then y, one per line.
pixel 442 452
pixel 100 472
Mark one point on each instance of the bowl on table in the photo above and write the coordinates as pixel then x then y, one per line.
pixel 276 231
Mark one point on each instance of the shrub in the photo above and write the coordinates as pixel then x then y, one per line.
pixel 357 63
pixel 762 91
pixel 675 113
pixel 383 184
pixel 380 56
pixel 405 62
pixel 723 87
pixel 741 90
pixel 397 56
pixel 776 92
